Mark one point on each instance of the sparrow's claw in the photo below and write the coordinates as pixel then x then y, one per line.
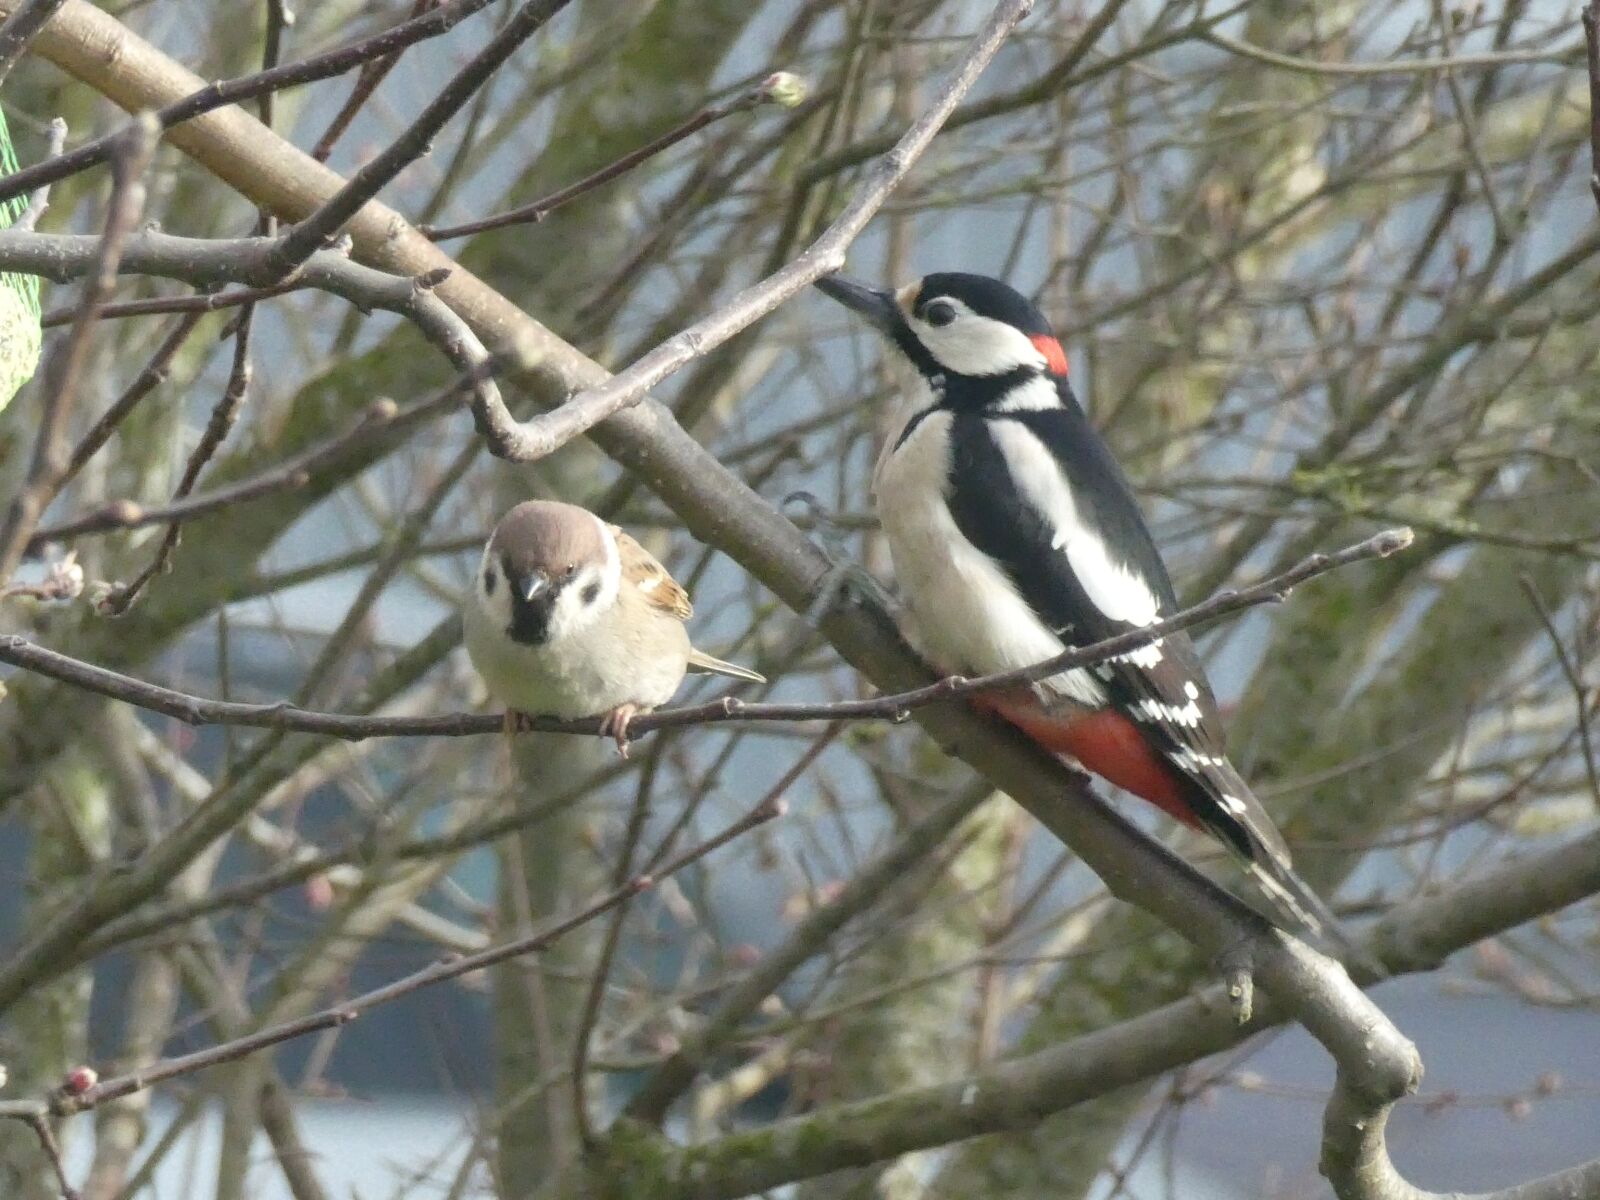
pixel 516 721
pixel 614 725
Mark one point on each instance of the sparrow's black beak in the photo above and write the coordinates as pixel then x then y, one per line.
pixel 876 305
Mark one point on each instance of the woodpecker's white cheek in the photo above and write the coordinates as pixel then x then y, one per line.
pixel 1114 588
pixel 974 345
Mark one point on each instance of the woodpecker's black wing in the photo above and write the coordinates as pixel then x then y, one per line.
pixel 1038 491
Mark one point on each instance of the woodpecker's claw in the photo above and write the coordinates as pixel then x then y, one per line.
pixel 615 723
pixel 843 576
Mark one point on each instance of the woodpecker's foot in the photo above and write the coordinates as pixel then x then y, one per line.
pixel 615 723
pixel 844 578
pixel 845 581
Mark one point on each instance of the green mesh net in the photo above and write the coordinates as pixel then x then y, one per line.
pixel 19 298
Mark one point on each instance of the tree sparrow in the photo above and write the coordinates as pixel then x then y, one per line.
pixel 570 617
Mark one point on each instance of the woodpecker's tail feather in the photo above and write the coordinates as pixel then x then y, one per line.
pixel 699 660
pixel 1293 898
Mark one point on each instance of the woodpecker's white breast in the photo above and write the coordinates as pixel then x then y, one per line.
pixel 967 617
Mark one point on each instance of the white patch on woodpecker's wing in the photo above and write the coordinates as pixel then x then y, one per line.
pixel 1145 656
pixel 968 616
pixel 1115 589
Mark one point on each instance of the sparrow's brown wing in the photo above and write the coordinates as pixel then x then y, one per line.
pixel 642 572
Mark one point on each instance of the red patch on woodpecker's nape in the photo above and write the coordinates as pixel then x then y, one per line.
pixel 1054 356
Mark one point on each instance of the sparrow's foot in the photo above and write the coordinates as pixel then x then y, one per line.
pixel 516 721
pixel 614 725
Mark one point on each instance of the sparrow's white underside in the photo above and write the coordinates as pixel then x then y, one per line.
pixel 627 651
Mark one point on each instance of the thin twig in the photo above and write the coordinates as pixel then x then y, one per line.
pixel 205 302
pixel 1591 38
pixel 221 423
pixel 293 472
pixel 246 87
pixel 780 88
pixel 1573 673
pixel 52 1151
pixel 372 73
pixel 310 235
pixel 39 201
pixel 549 431
pixel 20 28
pixel 65 1103
pixel 197 710
pixel 135 145
pixel 153 374
pixel 1399 66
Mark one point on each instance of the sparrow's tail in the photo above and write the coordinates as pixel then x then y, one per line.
pixel 699 660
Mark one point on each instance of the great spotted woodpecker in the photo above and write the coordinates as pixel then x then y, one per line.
pixel 1015 535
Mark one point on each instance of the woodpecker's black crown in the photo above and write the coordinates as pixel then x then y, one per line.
pixel 985 296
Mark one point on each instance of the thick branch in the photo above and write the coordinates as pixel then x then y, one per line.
pixel 1017 1094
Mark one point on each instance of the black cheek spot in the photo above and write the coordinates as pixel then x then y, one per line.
pixel 591 591
pixel 490 579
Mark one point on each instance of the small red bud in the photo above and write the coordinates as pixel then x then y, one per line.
pixel 79 1080
pixel 319 893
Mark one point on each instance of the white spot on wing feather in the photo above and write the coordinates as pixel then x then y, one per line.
pixel 1115 589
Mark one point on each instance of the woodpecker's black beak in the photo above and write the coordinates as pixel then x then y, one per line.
pixel 876 305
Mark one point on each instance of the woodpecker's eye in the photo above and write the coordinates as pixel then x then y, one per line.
pixel 939 312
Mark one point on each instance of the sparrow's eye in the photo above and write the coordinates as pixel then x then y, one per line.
pixel 572 569
pixel 939 312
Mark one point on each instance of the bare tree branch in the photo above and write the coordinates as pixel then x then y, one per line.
pixel 66 1102
pixel 19 29
pixel 543 434
pixel 134 147
pixel 781 88
pixel 1016 1094
pixel 245 87
pixel 310 234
